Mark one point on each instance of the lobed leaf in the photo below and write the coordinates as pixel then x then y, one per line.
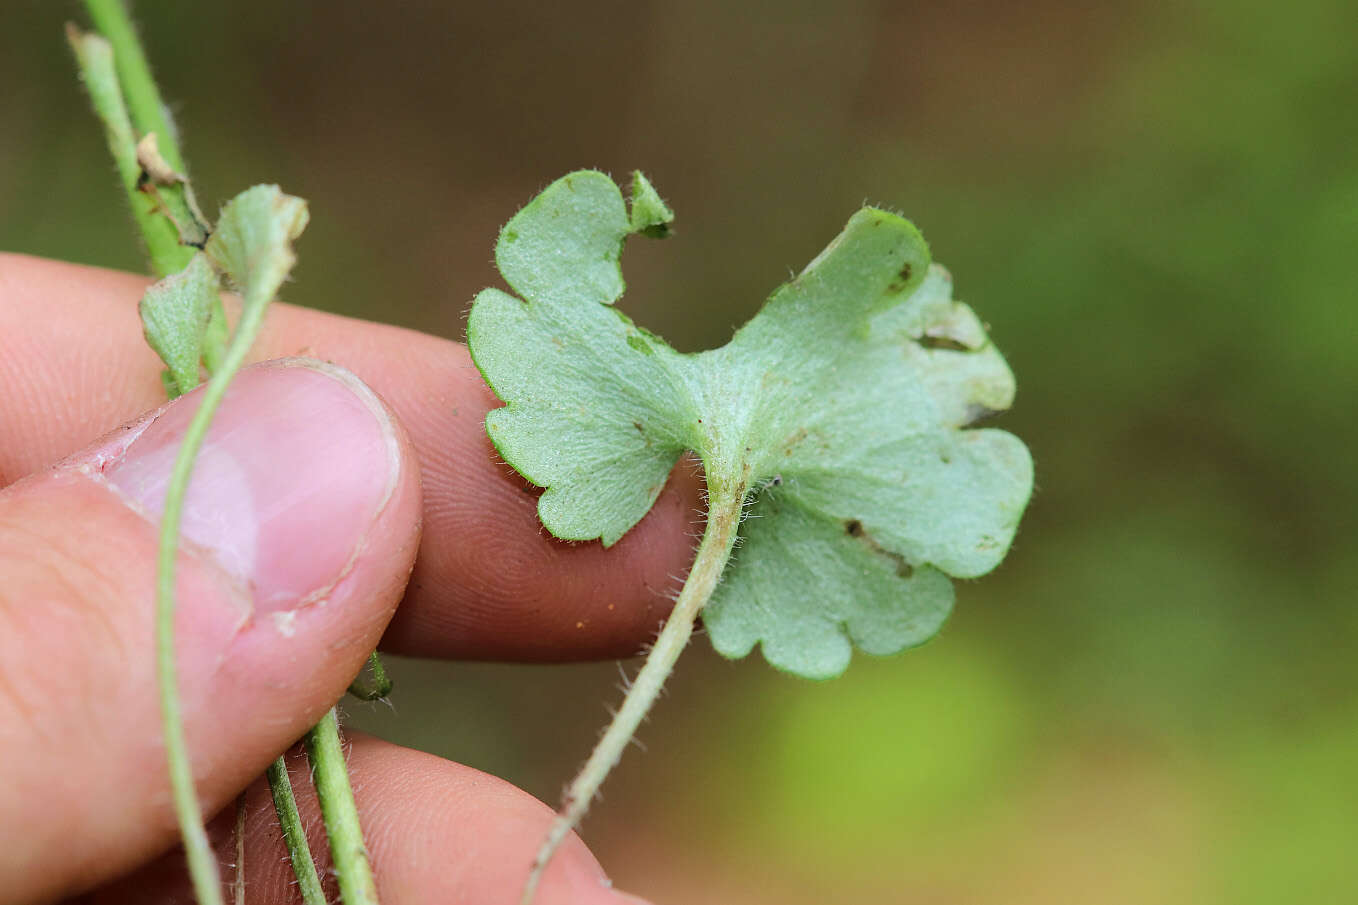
pixel 841 411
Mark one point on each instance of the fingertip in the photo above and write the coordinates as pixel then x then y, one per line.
pixel 492 584
pixel 435 832
pixel 274 615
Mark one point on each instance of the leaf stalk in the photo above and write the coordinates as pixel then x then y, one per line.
pixel 202 861
pixel 294 833
pixel 340 813
pixel 714 551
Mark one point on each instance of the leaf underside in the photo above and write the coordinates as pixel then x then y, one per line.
pixel 175 315
pixel 842 411
pixel 182 315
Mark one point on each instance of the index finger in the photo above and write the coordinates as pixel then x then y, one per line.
pixel 489 582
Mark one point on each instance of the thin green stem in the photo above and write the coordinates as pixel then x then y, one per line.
pixel 202 863
pixel 127 100
pixel 294 834
pixel 143 97
pixel 169 196
pixel 96 59
pixel 381 682
pixel 340 813
pixel 714 552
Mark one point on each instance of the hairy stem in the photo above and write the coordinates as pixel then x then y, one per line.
pixel 143 97
pixel 96 59
pixel 145 146
pixel 294 834
pixel 202 863
pixel 100 59
pixel 380 686
pixel 178 226
pixel 339 812
pixel 723 517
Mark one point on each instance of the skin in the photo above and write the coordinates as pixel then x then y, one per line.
pixel 77 703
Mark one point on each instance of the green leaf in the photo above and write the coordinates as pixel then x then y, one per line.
pixel 650 215
pixel 183 316
pixel 252 243
pixel 841 414
pixel 174 314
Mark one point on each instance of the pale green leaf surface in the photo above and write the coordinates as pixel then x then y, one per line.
pixel 842 411
pixel 806 591
pixel 174 314
pixel 252 243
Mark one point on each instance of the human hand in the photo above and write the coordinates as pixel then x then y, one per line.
pixel 301 529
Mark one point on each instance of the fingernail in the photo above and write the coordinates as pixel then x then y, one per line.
pixel 298 463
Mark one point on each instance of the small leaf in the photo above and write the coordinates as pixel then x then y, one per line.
pixel 252 243
pixel 175 313
pixel 650 215
pixel 839 413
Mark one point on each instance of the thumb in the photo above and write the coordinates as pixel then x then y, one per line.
pixel 299 531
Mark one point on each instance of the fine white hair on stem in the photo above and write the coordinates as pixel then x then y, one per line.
pixel 624 683
pixel 713 553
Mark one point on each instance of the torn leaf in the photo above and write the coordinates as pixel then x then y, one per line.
pixel 838 413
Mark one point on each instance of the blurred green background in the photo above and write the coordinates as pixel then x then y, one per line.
pixel 1154 205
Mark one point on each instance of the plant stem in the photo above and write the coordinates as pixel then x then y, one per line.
pixel 723 517
pixel 119 80
pixel 339 812
pixel 179 227
pixel 202 863
pixel 97 62
pixel 294 834
pixel 381 682
pixel 98 59
pixel 143 97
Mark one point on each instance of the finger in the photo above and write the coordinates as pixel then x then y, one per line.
pixel 299 532
pixel 436 832
pixel 489 583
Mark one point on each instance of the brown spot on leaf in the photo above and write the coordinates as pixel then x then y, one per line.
pixel 931 341
pixel 902 279
pixel 854 528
